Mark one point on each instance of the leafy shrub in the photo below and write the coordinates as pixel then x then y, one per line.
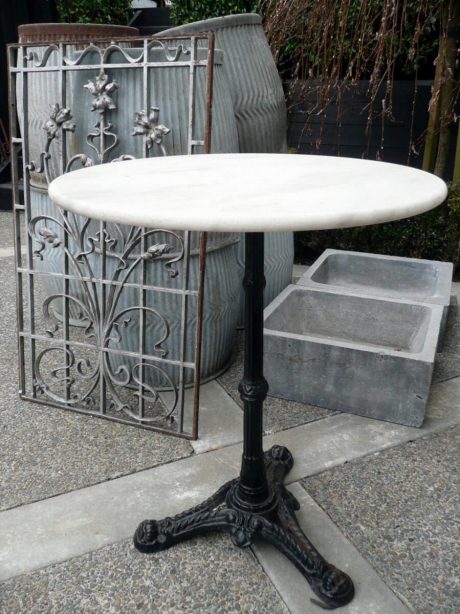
pixel 186 11
pixel 434 235
pixel 94 11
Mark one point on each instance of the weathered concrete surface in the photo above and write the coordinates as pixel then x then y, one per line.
pixel 63 527
pixel 60 528
pixel 220 419
pixel 399 508
pixel 372 596
pixel 368 356
pixel 203 576
pixel 426 281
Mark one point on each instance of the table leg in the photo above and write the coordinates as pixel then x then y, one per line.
pixel 257 503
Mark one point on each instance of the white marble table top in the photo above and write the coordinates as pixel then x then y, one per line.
pixel 248 192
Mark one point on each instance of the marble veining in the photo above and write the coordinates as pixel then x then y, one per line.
pixel 248 192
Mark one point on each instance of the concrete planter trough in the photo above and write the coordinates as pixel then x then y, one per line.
pixel 418 281
pixel 368 356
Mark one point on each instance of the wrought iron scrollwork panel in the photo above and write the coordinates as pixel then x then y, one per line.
pixel 103 308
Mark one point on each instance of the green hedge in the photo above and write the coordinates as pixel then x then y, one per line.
pixel 434 235
pixel 94 11
pixel 186 11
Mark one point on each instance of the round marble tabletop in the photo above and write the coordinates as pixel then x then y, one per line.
pixel 248 192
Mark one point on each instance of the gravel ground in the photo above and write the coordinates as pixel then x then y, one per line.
pixel 400 509
pixel 206 575
pixel 6 229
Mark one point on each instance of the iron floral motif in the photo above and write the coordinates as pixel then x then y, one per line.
pixel 58 121
pixel 101 319
pixel 100 88
pixel 148 126
pixel 48 236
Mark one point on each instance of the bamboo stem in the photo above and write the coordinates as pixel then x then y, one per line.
pixel 448 87
pixel 456 175
pixel 432 133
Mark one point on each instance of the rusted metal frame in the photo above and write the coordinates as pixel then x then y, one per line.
pixel 142 291
pixel 108 282
pixel 27 213
pixel 199 335
pixel 80 344
pixel 15 145
pixel 78 67
pixel 112 418
pixel 63 163
pixel 185 279
pixel 203 236
pixel 209 93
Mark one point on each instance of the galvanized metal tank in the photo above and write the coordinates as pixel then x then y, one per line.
pixel 257 93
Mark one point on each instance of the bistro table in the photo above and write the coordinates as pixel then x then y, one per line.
pixel 251 193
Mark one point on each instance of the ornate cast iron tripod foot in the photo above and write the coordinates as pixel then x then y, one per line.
pixel 278 525
pixel 256 504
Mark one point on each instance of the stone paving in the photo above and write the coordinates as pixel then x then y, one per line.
pixel 73 488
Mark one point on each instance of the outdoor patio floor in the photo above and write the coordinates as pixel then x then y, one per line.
pixel 378 499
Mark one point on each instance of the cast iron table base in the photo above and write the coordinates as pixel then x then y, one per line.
pixel 257 503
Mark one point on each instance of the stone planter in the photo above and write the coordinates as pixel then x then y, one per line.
pixel 375 275
pixel 260 111
pixel 368 356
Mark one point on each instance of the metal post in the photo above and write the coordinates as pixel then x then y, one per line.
pixel 252 493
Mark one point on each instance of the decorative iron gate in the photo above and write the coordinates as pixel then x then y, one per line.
pixel 109 316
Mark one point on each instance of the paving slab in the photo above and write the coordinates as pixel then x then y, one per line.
pixel 54 530
pixel 399 508
pixel 6 252
pixel 204 576
pixel 220 418
pixel 6 229
pixel 371 593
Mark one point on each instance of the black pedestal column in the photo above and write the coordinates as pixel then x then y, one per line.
pixel 256 504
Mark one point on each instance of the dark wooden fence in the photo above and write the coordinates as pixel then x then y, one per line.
pixel 344 130
pixel 12 14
